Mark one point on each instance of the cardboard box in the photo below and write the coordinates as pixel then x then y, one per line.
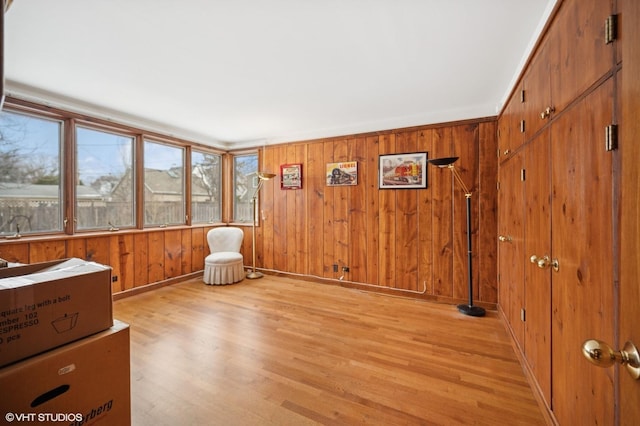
pixel 45 305
pixel 82 383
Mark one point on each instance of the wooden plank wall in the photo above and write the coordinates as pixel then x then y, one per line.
pixel 412 242
pixel 138 258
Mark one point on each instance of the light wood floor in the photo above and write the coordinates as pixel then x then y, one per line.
pixel 278 351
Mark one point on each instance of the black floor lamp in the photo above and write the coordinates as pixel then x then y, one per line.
pixel 262 176
pixel 468 309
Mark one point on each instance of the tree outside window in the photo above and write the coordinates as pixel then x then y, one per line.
pixel 30 170
pixel 206 187
pixel 245 183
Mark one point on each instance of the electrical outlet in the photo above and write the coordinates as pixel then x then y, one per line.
pixel 114 278
pixel 345 269
pixel 335 267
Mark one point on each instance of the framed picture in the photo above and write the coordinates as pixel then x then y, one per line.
pixel 291 176
pixel 342 174
pixel 403 171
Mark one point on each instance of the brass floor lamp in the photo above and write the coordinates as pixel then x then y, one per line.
pixel 468 309
pixel 262 177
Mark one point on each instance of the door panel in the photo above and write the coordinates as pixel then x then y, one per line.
pixel 629 205
pixel 582 240
pixel 509 135
pixel 511 254
pixel 537 90
pixel 582 55
pixel 538 280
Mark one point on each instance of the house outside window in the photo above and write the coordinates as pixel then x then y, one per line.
pixel 104 185
pixel 164 195
pixel 30 174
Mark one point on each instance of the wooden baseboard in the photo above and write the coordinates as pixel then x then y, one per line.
pixel 545 409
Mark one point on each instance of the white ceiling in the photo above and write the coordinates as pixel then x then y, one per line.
pixel 239 73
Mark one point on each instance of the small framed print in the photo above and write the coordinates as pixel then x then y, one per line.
pixel 403 171
pixel 291 176
pixel 342 174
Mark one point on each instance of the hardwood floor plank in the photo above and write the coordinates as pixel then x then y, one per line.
pixel 286 352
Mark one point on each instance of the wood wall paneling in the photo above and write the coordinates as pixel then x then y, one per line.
pixel 341 197
pixel 465 139
pixel 172 253
pixel 358 231
pixel 122 261
pixel 98 249
pixel 425 221
pixel 441 183
pixel 328 247
pixel 487 241
pixel 315 189
pixel 15 252
pixel 200 249
pixel 268 214
pixel 406 224
pixel 369 180
pixel 141 259
pixel 156 259
pixel 280 219
pixel 387 228
pixel 41 251
pixel 186 253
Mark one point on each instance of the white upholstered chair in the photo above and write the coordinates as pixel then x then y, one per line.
pixel 225 263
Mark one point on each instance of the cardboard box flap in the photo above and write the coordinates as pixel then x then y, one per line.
pixel 71 268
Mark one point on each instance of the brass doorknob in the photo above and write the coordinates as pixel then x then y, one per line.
pixel 505 238
pixel 545 261
pixel 602 354
pixel 547 112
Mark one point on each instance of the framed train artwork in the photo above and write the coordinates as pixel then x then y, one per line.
pixel 403 171
pixel 342 174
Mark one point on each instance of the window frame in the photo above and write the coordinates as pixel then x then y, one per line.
pixel 134 199
pixel 62 166
pixel 68 168
pixel 251 187
pixel 157 141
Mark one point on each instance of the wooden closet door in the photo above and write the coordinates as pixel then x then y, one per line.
pixel 537 277
pixel 511 244
pixel 629 103
pixel 582 241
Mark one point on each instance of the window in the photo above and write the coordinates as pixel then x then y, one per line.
pixel 105 181
pixel 206 187
pixel 30 171
pixel 164 201
pixel 245 184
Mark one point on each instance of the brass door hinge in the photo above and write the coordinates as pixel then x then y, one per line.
pixel 610 29
pixel 611 137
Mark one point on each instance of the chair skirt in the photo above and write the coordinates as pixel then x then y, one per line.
pixel 223 268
